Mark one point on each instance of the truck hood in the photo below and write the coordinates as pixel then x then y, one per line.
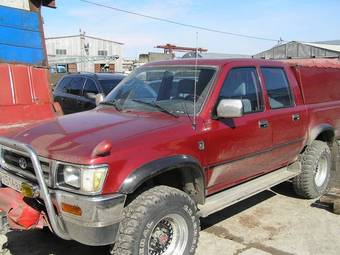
pixel 72 138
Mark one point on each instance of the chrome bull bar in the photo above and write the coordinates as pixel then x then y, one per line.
pixel 54 221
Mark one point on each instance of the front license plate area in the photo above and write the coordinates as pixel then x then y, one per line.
pixel 10 182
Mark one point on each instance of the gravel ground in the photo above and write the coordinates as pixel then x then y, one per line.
pixel 272 222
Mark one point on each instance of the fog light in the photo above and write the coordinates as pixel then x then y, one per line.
pixel 72 209
pixel 28 190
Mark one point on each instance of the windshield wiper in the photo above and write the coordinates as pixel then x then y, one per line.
pixel 155 105
pixel 113 103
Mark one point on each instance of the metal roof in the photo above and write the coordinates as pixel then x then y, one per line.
pixel 86 36
pixel 331 47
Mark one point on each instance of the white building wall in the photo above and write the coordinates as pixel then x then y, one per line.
pixel 72 45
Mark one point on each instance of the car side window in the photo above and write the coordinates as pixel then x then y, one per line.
pixel 90 87
pixel 278 88
pixel 63 84
pixel 243 83
pixel 76 86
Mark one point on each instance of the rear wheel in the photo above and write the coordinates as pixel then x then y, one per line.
pixel 316 168
pixel 160 221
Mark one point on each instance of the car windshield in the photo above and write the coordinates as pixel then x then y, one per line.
pixel 169 88
pixel 109 84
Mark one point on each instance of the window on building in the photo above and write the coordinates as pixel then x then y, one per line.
pixel 61 52
pixel 243 83
pixel 102 53
pixel 278 89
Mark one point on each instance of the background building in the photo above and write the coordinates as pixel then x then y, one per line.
pixel 294 49
pixel 82 53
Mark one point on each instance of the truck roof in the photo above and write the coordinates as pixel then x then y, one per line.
pixel 213 62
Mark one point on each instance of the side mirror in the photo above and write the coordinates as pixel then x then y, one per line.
pixel 91 95
pixel 99 98
pixel 230 108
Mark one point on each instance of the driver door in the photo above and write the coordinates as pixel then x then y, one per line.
pixel 239 146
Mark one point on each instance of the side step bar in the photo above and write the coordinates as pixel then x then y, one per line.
pixel 242 191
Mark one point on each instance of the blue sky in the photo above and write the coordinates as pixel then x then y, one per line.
pixel 304 20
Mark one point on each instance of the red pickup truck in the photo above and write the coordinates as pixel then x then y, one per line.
pixel 173 142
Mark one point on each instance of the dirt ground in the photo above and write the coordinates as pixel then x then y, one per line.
pixel 272 222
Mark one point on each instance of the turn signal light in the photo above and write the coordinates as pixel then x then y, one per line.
pixel 72 209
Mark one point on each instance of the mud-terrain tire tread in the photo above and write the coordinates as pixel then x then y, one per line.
pixel 137 210
pixel 304 184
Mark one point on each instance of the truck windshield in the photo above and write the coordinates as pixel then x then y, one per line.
pixel 172 88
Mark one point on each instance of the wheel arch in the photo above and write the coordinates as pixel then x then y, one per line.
pixel 323 132
pixel 185 167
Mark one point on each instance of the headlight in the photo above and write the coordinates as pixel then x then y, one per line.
pixel 81 178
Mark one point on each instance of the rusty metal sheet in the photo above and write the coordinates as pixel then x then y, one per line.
pixel 315 62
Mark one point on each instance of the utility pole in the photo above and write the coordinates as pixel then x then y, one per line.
pixel 82 44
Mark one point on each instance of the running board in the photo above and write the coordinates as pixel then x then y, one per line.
pixel 242 191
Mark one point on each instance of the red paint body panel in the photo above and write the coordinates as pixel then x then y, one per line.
pixel 234 151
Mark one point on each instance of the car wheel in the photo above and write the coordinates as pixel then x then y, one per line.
pixel 160 221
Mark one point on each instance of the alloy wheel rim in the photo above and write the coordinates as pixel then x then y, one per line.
pixel 169 236
pixel 321 171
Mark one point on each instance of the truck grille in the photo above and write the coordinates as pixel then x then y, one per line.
pixel 22 164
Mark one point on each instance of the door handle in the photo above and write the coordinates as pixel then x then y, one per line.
pixel 263 123
pixel 296 117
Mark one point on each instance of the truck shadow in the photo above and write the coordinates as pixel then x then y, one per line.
pixel 43 242
pixel 285 189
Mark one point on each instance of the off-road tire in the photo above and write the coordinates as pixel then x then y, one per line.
pixel 145 212
pixel 305 184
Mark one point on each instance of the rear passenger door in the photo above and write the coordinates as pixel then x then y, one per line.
pixel 285 116
pixel 60 92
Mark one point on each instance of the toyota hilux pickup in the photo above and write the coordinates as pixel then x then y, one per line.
pixel 173 142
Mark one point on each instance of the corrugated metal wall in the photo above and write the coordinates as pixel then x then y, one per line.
pixel 295 50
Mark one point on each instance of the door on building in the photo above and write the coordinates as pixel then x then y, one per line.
pixel 104 68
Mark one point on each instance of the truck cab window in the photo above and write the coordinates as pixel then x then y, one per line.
pixel 278 89
pixel 243 83
pixel 90 87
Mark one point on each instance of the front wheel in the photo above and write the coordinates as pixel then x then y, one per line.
pixel 316 168
pixel 160 221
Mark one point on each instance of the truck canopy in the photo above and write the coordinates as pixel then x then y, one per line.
pixel 319 79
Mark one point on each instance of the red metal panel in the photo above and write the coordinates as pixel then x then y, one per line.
pixel 325 63
pixel 41 85
pixel 5 86
pixel 22 84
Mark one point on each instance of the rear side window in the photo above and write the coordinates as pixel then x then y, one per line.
pixel 90 87
pixel 243 83
pixel 278 88
pixel 76 86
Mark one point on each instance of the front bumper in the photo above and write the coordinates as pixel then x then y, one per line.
pixel 98 223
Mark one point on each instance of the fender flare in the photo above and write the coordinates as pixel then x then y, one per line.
pixel 160 166
pixel 316 131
